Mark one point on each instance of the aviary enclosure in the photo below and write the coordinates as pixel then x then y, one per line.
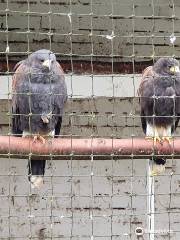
pixel 97 193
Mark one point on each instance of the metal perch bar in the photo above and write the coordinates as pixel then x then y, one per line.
pixel 133 147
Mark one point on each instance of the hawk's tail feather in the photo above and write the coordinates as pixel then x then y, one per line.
pixel 36 181
pixel 158 166
pixel 36 170
pixel 159 160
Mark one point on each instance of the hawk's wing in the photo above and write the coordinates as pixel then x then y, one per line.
pixel 20 88
pixel 177 103
pixel 148 105
pixel 60 100
pixel 21 71
pixel 147 74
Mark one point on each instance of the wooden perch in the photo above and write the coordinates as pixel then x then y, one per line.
pixel 63 148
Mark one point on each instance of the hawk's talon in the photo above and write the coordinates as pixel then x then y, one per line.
pixel 155 139
pixel 168 139
pixel 149 138
pixel 40 138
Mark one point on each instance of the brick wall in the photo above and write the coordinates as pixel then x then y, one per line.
pixel 116 195
pixel 126 28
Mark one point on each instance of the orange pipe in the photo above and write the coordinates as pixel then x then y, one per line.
pixel 136 147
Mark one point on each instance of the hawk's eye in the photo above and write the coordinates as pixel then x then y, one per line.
pixel 41 60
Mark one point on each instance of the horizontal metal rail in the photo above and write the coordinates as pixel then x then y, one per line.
pixel 62 148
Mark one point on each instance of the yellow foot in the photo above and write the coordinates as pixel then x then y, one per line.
pixel 157 169
pixel 40 138
pixel 155 139
pixel 168 139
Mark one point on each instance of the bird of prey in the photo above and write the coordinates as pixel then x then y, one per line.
pixel 39 93
pixel 159 93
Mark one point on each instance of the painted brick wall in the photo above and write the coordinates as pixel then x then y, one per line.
pixel 133 34
pixel 116 194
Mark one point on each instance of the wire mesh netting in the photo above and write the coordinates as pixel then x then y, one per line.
pixel 102 46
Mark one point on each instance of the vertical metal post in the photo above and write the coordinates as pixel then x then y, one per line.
pixel 150 201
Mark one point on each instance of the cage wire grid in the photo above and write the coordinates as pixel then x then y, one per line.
pixel 90 199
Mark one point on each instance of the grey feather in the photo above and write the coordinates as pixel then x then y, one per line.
pixel 160 102
pixel 38 99
pixel 38 93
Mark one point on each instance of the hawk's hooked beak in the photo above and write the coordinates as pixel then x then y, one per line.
pixel 175 69
pixel 47 64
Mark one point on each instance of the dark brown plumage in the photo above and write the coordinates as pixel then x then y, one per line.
pixel 159 93
pixel 38 97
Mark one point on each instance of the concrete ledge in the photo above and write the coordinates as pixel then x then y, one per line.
pixel 84 86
